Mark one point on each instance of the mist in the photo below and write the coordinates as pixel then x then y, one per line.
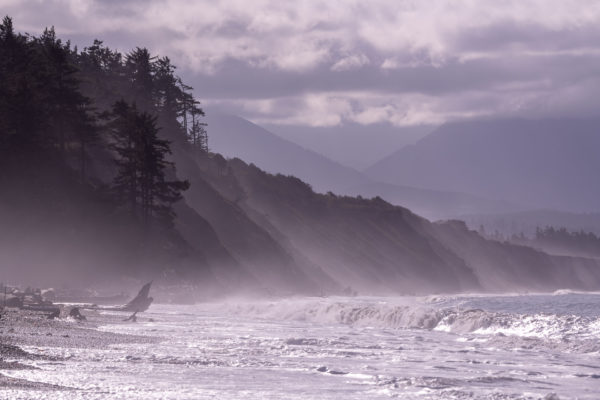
pixel 358 200
pixel 120 179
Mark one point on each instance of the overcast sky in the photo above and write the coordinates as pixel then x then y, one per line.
pixel 326 63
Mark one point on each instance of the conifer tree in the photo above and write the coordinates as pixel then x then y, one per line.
pixel 7 81
pixel 123 130
pixel 71 120
pixel 22 113
pixel 46 109
pixel 139 69
pixel 141 181
pixel 103 75
pixel 170 99
pixel 196 130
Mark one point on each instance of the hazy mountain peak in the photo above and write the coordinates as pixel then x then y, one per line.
pixel 234 136
pixel 540 163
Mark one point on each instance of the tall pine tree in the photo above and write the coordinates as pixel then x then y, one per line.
pixel 142 179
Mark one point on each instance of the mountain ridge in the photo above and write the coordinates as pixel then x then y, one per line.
pixel 106 181
pixel 536 163
pixel 404 253
pixel 234 136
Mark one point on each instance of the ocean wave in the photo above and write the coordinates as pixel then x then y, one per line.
pixel 415 315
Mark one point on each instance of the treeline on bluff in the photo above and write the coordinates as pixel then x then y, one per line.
pixel 85 143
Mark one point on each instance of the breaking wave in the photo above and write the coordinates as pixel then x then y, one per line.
pixel 415 315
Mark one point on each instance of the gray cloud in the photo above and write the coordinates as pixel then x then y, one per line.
pixel 325 63
pixel 513 36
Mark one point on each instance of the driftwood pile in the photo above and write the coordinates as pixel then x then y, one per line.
pixel 42 300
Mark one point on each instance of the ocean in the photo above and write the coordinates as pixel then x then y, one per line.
pixel 534 346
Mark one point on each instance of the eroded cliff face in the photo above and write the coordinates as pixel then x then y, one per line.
pixel 503 266
pixel 264 261
pixel 365 244
pixel 240 229
pixel 284 233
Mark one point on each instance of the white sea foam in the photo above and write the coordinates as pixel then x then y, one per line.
pixel 450 347
pixel 415 314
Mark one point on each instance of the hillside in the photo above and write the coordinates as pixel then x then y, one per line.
pixel 106 179
pixel 507 267
pixel 539 164
pixel 233 136
pixel 375 247
pixel 90 196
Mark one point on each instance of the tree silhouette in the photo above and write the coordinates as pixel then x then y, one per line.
pixel 21 102
pixel 141 181
pixel 86 136
pixel 195 129
pixel 103 75
pixel 51 97
pixel 139 68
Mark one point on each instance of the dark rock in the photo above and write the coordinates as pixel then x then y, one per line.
pixel 75 313
pixel 13 301
pixel 54 314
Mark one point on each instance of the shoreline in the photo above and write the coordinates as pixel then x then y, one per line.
pixel 25 337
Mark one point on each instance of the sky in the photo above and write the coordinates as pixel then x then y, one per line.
pixel 323 64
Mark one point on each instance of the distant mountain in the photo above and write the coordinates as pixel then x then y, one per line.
pixel 433 204
pixel 236 137
pixel 542 164
pixel 233 136
pixel 351 144
pixel 79 208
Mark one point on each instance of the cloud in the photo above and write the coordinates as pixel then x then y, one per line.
pixel 354 61
pixel 402 62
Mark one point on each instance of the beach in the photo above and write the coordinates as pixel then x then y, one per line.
pixel 27 336
pixel 512 346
